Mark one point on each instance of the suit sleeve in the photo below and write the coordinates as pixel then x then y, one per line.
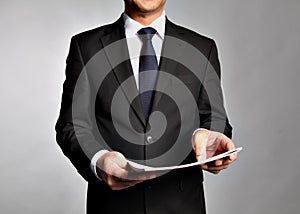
pixel 210 102
pixel 75 128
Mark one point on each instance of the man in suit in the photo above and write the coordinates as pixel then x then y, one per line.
pixel 141 89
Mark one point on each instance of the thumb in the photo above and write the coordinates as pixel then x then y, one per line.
pixel 199 141
pixel 120 160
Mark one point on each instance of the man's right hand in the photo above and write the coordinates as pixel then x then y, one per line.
pixel 113 168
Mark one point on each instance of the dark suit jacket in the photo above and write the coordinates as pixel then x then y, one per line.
pixel 86 123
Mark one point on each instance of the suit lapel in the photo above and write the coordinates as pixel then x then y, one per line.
pixel 170 47
pixel 113 34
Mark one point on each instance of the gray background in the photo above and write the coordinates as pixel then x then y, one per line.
pixel 259 46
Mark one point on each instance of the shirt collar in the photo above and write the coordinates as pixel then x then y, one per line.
pixel 132 26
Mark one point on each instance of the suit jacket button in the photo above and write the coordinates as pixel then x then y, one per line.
pixel 149 139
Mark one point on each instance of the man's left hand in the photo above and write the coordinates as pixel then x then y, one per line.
pixel 208 144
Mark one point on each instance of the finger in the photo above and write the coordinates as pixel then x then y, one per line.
pixel 121 161
pixel 227 161
pixel 125 175
pixel 116 185
pixel 230 159
pixel 121 174
pixel 126 181
pixel 214 168
pixel 215 171
pixel 227 143
pixel 200 149
pixel 199 142
pixel 147 176
pixel 204 166
pixel 122 177
pixel 139 175
pixel 218 162
pixel 142 175
pixel 233 157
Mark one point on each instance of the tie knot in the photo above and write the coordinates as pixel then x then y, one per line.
pixel 147 32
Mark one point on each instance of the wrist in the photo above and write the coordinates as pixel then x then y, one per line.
pixel 94 162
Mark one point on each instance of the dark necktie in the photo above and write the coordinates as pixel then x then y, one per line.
pixel 148 69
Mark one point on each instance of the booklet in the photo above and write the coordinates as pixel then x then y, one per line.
pixel 140 167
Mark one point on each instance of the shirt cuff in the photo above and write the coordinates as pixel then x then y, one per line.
pixel 94 160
